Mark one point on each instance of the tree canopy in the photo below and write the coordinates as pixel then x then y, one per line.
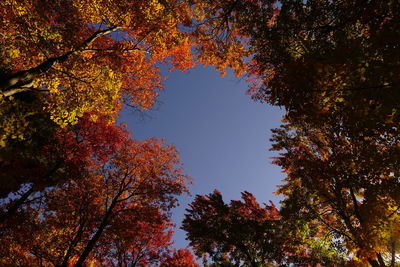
pixel 332 66
pixel 77 189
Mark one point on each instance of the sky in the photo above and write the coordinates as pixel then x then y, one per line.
pixel 221 134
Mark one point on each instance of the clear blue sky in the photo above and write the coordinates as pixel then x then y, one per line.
pixel 221 134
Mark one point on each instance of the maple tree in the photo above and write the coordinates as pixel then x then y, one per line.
pixel 80 56
pixel 61 61
pixel 341 139
pixel 71 179
pixel 181 257
pixel 117 212
pixel 233 231
pixel 53 156
pixel 68 67
pixel 243 233
pixel 348 185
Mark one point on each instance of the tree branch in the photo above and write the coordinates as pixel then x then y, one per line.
pixel 114 50
pixel 23 78
pixel 74 242
pixel 104 222
pixel 355 206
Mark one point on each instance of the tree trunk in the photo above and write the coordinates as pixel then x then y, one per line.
pixel 373 263
pixel 380 259
pixel 377 262
pixel 74 242
pixel 22 80
pixel 92 242
pixel 393 252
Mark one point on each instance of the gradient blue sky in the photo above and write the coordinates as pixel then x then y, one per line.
pixel 221 134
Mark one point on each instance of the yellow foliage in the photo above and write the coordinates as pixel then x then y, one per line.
pixel 92 75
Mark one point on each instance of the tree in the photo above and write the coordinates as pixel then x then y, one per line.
pixel 331 65
pixel 81 57
pixel 53 156
pixel 66 69
pixel 348 185
pixel 97 51
pixel 319 57
pixel 243 233
pixel 181 257
pixel 61 61
pixel 117 212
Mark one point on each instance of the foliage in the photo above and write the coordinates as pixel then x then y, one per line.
pixel 348 185
pixel 76 189
pixel 243 233
pixel 87 57
pixel 181 257
pixel 316 58
pixel 332 65
pixel 70 178
pixel 115 213
pixel 91 57
pixel 61 61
